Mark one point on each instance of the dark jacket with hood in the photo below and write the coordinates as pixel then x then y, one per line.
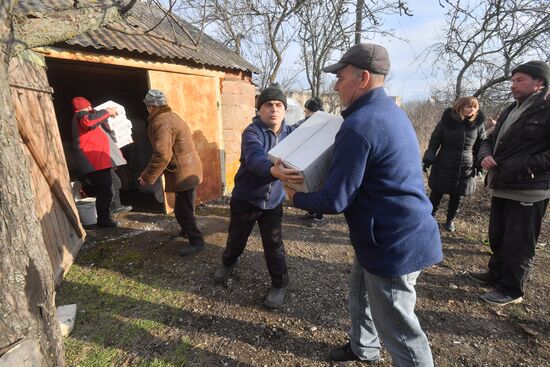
pixel 523 154
pixel 452 149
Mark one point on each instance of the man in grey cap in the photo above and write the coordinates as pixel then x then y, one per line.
pixel 517 155
pixel 175 156
pixel 375 179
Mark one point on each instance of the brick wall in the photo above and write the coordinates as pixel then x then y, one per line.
pixel 237 109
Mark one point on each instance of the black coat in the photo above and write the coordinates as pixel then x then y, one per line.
pixel 453 146
pixel 523 154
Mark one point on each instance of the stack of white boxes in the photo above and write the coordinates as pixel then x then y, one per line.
pixel 309 149
pixel 120 127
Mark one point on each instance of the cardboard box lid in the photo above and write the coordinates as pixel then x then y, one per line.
pixel 114 121
pixel 309 141
pixel 119 108
pixel 313 148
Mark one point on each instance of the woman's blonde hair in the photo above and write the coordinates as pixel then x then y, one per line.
pixel 466 101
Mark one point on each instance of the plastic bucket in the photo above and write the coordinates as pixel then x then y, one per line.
pixel 86 211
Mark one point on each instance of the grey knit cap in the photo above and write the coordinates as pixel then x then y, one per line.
pixel 155 97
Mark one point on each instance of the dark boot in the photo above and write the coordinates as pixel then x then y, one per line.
pixel 106 223
pixel 345 354
pixel 275 297
pixel 449 226
pixel 191 249
pixel 224 272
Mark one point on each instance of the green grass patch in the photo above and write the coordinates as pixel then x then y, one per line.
pixel 120 320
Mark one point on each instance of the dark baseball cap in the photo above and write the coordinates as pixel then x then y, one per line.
pixel 366 56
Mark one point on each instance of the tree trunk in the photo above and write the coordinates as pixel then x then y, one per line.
pixel 358 21
pixel 29 333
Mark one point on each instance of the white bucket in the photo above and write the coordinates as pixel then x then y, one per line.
pixel 86 211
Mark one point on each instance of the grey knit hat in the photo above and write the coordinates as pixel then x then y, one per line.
pixel 271 93
pixel 536 69
pixel 155 97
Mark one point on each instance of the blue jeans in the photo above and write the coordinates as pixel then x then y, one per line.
pixel 382 308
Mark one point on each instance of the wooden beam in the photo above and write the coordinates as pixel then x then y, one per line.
pixel 58 53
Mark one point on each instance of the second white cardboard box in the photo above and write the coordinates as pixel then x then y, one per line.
pixel 309 149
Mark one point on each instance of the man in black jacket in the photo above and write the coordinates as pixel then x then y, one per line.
pixel 517 156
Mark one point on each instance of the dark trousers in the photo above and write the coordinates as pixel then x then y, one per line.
pixel 115 189
pixel 455 202
pixel 102 181
pixel 184 209
pixel 514 229
pixel 243 217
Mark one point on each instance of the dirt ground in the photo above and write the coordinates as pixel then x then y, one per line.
pixel 228 326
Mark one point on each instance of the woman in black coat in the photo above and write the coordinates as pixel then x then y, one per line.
pixel 453 146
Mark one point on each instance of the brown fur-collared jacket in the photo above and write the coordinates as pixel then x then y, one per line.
pixel 174 152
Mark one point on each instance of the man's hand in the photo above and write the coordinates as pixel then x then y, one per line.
pixel 285 174
pixel 112 111
pixel 488 162
pixel 141 181
pixel 290 193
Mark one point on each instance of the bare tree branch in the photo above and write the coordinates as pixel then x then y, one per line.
pixel 484 41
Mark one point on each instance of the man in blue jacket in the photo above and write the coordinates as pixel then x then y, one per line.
pixel 258 194
pixel 375 179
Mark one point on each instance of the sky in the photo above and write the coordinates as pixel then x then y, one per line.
pixel 409 77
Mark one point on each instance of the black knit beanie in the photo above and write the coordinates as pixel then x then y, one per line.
pixel 314 104
pixel 271 94
pixel 537 69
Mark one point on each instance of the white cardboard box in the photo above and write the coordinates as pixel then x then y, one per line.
pixel 309 149
pixel 120 126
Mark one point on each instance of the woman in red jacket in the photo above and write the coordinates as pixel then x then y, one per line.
pixel 97 154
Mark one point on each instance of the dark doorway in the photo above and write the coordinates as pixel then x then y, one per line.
pixel 100 83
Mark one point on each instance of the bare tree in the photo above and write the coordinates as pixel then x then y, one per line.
pixel 329 25
pixel 485 40
pixel 274 18
pixel 371 12
pixel 322 31
pixel 230 21
pixel 259 30
pixel 28 326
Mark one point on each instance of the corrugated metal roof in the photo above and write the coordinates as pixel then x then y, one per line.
pixel 167 40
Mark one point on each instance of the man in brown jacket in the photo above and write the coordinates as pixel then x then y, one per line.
pixel 175 156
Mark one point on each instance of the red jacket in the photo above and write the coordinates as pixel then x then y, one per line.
pixel 95 148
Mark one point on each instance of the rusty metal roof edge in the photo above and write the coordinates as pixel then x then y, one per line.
pixel 213 53
pixel 198 65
